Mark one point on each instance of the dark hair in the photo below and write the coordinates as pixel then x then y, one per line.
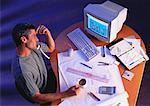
pixel 20 30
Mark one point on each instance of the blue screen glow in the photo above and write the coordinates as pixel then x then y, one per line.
pixel 98 26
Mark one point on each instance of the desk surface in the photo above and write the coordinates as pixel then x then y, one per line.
pixel 132 87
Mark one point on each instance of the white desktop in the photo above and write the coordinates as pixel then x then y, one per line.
pixel 105 20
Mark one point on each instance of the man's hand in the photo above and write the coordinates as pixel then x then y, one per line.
pixel 42 30
pixel 49 40
pixel 72 91
pixel 49 97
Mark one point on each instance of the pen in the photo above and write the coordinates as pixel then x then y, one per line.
pixel 135 61
pixel 103 51
pixel 103 63
pixel 131 63
pixel 86 65
pixel 93 96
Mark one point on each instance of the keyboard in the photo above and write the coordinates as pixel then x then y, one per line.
pixel 83 43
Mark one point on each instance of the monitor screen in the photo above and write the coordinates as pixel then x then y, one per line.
pixel 97 26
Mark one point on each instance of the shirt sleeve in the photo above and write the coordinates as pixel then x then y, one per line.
pixel 44 47
pixel 27 84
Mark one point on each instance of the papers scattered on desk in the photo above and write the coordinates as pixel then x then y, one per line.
pixel 70 71
pixel 129 52
pixel 112 100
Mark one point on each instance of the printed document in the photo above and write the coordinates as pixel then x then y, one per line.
pixel 70 71
pixel 127 54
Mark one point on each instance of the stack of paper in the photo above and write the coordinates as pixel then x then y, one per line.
pixel 129 52
pixel 100 75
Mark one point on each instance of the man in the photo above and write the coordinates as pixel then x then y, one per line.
pixel 33 81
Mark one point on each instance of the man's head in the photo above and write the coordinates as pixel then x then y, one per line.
pixel 25 34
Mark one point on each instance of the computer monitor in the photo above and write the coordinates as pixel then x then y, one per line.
pixel 98 26
pixel 104 21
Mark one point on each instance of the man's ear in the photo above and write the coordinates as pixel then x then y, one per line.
pixel 23 39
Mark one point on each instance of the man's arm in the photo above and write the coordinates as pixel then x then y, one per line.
pixel 50 97
pixel 49 40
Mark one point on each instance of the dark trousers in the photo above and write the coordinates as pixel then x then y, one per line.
pixel 51 82
pixel 51 85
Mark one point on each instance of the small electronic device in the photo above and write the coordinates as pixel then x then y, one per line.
pixel 83 43
pixel 107 90
pixel 128 75
pixel 105 20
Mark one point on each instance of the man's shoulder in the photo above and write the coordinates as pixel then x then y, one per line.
pixel 15 66
pixel 19 63
pixel 15 61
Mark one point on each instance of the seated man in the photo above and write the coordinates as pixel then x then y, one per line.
pixel 33 81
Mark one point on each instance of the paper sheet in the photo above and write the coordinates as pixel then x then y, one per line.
pixel 136 43
pixel 68 79
pixel 112 101
pixel 128 51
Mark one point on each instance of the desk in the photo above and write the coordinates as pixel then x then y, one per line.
pixel 132 87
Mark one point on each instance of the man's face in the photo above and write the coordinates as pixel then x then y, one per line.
pixel 32 40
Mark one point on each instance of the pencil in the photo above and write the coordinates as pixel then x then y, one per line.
pixel 103 51
pixel 93 96
pixel 86 65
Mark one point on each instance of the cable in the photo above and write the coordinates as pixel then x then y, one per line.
pixel 39 48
